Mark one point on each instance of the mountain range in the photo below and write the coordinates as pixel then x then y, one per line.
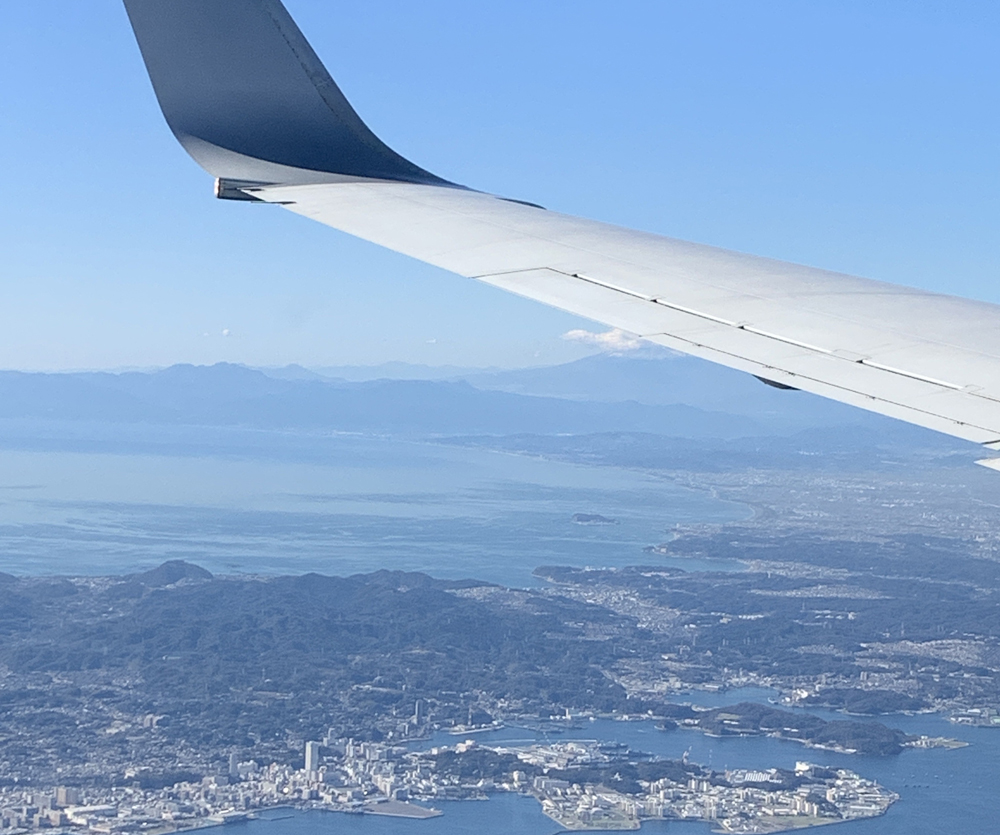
pixel 663 395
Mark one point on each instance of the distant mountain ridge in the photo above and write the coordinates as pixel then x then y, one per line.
pixel 654 377
pixel 234 395
pixel 667 379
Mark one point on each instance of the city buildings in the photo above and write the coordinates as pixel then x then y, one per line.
pixel 377 778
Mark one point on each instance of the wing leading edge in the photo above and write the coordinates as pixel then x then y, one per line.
pixel 249 99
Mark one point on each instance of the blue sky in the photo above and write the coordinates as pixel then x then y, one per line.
pixel 858 136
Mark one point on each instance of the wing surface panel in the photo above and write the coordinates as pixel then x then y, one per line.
pixel 931 359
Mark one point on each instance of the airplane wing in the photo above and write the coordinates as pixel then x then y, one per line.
pixel 250 100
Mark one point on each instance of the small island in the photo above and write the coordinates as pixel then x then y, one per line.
pixel 593 519
pixel 871 739
pixel 751 719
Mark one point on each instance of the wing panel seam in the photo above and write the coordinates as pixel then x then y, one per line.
pixel 766 334
pixel 825 383
pixel 777 338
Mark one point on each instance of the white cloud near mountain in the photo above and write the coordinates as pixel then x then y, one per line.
pixel 615 341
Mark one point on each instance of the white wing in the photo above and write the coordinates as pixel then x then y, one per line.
pixel 249 99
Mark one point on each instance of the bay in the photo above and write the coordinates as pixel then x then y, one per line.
pixel 344 505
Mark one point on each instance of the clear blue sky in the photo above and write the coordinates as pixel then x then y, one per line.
pixel 858 136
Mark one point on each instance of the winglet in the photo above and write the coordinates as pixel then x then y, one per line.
pixel 249 99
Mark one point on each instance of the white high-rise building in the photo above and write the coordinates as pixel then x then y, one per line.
pixel 312 756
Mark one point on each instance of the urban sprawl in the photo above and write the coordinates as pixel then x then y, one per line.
pixel 366 777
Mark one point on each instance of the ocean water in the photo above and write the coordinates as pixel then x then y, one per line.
pixel 353 505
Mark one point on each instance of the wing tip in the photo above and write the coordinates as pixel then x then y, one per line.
pixel 246 95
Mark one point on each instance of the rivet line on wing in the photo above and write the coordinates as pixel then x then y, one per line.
pixel 615 287
pixel 785 339
pixel 911 375
pixel 679 308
